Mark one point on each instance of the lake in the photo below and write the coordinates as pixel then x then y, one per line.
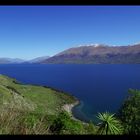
pixel 99 87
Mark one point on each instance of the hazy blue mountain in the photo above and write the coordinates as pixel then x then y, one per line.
pixel 21 61
pixel 38 59
pixel 11 60
pixel 98 54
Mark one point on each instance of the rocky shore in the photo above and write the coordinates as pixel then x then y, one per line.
pixel 68 108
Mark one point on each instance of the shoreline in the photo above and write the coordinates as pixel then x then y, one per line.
pixel 69 107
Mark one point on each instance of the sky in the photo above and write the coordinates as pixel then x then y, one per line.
pixel 28 32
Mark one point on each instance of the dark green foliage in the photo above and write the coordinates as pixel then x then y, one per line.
pixel 130 112
pixel 63 124
pixel 12 90
pixel 59 122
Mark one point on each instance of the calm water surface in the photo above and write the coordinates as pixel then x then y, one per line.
pixel 100 87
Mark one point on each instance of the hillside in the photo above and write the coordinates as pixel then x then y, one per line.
pixel 30 109
pixel 30 97
pixel 23 106
pixel 98 54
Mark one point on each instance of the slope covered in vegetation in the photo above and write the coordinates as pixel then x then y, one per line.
pixel 30 109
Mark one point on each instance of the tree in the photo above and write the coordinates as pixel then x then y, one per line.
pixel 109 124
pixel 63 124
pixel 58 124
pixel 129 112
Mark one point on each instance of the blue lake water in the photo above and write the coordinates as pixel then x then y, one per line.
pixel 100 87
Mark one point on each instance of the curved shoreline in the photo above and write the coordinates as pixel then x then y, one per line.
pixel 69 107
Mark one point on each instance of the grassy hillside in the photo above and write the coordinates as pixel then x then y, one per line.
pixel 29 97
pixel 30 109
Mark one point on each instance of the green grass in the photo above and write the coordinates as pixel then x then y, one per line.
pixel 44 100
pixel 29 109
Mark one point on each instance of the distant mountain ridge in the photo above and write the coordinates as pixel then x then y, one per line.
pixel 38 59
pixel 21 61
pixel 97 54
pixel 87 54
pixel 11 60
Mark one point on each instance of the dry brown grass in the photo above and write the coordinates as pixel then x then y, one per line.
pixel 13 121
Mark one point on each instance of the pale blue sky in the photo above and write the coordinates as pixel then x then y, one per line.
pixel 32 31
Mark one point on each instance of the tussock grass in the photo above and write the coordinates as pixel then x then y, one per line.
pixel 14 121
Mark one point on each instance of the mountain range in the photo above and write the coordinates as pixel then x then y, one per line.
pixel 11 60
pixel 38 59
pixel 87 54
pixel 97 54
pixel 21 61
